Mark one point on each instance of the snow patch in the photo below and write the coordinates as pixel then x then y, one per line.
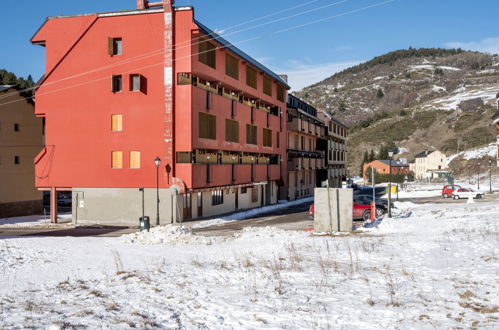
pixel 166 235
pixel 477 153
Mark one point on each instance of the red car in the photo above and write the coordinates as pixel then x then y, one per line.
pixel 360 211
pixel 448 189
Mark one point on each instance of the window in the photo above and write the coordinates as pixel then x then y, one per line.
pixel 280 93
pixel 231 130
pixel 207 54
pixel 17 160
pixel 231 66
pixel 251 134
pixel 267 85
pixel 117 159
pixel 116 123
pixel 277 140
pixel 16 127
pixel 217 197
pixel 244 190
pixel 134 159
pixel 251 77
pixel 135 80
pixel 207 126
pixel 114 46
pixel 267 138
pixel 254 195
pixel 116 84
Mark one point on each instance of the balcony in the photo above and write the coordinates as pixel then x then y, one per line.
pixel 216 175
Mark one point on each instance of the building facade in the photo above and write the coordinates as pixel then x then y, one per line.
pixel 122 89
pixel 383 167
pixel 336 155
pixel 427 162
pixel 306 147
pixel 21 138
pixel 495 120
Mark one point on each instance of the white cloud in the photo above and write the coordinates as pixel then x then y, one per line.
pixel 488 45
pixel 301 75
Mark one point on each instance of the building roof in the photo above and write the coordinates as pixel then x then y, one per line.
pixel 332 118
pixel 5 87
pixel 423 154
pixel 203 29
pixel 395 162
pixel 239 52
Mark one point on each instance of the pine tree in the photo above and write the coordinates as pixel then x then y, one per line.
pixel 372 156
pixel 379 93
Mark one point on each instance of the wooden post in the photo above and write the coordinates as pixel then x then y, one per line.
pixel 53 205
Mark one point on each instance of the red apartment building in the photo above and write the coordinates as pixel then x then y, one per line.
pixel 123 88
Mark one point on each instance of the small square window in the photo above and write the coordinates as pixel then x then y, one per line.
pixel 135 80
pixel 17 160
pixel 114 46
pixel 16 127
pixel 116 84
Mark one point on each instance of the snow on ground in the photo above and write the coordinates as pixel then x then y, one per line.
pixel 31 221
pixel 436 88
pixel 452 101
pixel 434 269
pixel 432 67
pixel 418 191
pixel 250 213
pixel 477 153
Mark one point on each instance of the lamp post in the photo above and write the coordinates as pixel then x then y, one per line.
pixel 469 174
pixel 157 162
pixel 490 176
pixel 478 176
pixel 390 154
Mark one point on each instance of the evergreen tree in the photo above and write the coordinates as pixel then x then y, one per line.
pixel 379 93
pixel 366 157
pixel 372 156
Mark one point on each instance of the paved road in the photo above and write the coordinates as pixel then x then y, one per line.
pixel 291 218
pixel 96 231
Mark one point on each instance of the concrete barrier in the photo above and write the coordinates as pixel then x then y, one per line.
pixel 333 210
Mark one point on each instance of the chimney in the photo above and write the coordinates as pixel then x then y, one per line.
pixel 285 77
pixel 142 4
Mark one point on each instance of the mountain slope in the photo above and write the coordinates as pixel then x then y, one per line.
pixel 418 99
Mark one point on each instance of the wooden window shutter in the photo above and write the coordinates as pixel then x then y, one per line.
pixel 134 159
pixel 117 159
pixel 231 66
pixel 117 123
pixel 110 46
pixel 251 77
pixel 267 85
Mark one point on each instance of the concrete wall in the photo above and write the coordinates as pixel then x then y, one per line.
pixel 122 206
pixel 333 211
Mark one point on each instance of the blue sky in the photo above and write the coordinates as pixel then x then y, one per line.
pixel 307 53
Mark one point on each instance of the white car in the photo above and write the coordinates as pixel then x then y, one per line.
pixel 465 193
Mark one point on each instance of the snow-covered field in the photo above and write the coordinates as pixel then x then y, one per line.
pixel 437 268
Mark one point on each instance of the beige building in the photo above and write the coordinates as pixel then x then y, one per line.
pixel 20 141
pixel 429 163
pixel 336 156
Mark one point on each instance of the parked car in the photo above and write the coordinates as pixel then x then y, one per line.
pixel 369 199
pixel 448 189
pixel 366 190
pixel 465 193
pixel 360 210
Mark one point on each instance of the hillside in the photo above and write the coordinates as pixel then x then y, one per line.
pixel 418 98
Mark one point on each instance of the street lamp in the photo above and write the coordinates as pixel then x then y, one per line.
pixel 157 162
pixel 390 154
pixel 469 174
pixel 490 176
pixel 478 175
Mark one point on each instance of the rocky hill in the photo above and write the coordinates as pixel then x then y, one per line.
pixel 417 99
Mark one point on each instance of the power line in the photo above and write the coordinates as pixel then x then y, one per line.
pixel 221 47
pixel 159 51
